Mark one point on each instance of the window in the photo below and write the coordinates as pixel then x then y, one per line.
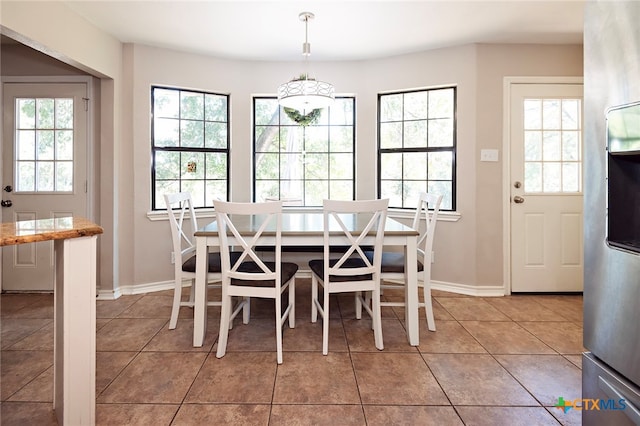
pixel 302 165
pixel 190 143
pixel 552 146
pixel 417 146
pixel 44 145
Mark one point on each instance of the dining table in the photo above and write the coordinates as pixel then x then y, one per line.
pixel 302 230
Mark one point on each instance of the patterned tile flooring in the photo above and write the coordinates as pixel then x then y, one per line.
pixel 492 361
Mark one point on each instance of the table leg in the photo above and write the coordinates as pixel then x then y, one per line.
pixel 74 359
pixel 200 299
pixel 411 291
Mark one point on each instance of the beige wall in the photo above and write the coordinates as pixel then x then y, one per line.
pixel 53 29
pixel 244 79
pixel 20 60
pixel 468 251
pixel 494 63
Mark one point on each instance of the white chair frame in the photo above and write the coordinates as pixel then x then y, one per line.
pixel 180 211
pixel 395 280
pixel 336 274
pixel 236 282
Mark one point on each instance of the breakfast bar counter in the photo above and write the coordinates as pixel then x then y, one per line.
pixel 74 354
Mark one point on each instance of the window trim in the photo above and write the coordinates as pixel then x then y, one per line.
pixel 253 150
pixel 453 149
pixel 155 149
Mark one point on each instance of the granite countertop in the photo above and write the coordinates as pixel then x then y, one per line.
pixel 31 231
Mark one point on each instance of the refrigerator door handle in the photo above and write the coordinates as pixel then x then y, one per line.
pixel 631 410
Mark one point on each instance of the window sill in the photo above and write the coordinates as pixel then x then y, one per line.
pixel 161 215
pixel 408 214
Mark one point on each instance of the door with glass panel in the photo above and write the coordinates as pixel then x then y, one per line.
pixel 546 188
pixel 44 171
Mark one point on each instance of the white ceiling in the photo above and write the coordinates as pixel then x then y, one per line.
pixel 341 30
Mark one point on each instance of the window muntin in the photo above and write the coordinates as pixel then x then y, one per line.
pixel 417 146
pixel 302 165
pixel 190 145
pixel 552 145
pixel 44 145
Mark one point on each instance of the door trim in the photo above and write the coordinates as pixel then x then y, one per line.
pixel 506 164
pixel 88 81
pixel 90 127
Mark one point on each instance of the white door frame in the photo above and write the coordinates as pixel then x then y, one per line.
pixel 90 131
pixel 506 164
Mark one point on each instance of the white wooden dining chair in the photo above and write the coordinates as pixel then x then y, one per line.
pixel 248 275
pixel 182 219
pixel 352 271
pixel 392 269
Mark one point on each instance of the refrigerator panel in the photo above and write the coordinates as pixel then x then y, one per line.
pixel 611 208
pixel 612 399
pixel 612 314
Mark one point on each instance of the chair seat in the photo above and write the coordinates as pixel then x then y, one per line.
pixel 317 266
pixel 214 262
pixel 287 271
pixel 392 262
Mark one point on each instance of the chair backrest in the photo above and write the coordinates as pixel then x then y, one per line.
pixel 427 232
pixel 182 219
pixel 369 217
pixel 250 224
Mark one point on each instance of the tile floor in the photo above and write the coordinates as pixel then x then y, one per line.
pixel 492 361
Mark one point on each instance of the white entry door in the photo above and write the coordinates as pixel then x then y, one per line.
pixel 546 188
pixel 44 171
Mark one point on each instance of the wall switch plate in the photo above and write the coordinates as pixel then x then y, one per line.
pixel 489 155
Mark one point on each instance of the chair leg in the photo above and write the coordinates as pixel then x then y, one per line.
pixel 325 321
pixel 377 319
pixel 246 311
pixel 279 328
pixel 177 298
pixel 192 292
pixel 225 314
pixel 428 307
pixel 314 298
pixel 368 300
pixel 292 303
pixel 358 301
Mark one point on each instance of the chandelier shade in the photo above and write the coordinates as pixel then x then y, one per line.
pixel 305 93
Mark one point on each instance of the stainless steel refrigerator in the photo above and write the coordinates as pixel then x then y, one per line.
pixel 611 367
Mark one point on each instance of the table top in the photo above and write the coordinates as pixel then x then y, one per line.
pixel 31 231
pixel 309 224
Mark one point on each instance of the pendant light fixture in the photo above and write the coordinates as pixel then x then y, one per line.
pixel 305 93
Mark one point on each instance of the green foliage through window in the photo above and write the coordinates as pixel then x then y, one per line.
pixel 190 145
pixel 417 146
pixel 302 165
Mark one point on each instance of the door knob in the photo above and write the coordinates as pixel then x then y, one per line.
pixel 518 199
pixel 8 188
pixel 6 203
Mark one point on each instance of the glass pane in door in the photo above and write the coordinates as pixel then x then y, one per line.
pixel 552 145
pixel 44 145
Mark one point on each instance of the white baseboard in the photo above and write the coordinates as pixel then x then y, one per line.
pixel 469 290
pixel 135 289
